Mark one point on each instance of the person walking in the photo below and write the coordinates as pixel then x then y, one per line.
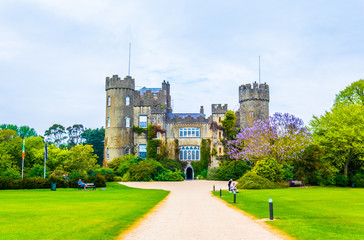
pixel 229 184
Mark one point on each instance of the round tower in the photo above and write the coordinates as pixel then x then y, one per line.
pixel 254 103
pixel 119 116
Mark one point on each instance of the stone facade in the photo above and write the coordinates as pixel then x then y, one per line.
pixel 127 107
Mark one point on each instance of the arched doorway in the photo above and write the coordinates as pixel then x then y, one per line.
pixel 189 173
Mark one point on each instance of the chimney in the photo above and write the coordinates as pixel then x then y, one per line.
pixel 201 110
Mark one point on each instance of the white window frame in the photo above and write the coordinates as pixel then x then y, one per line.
pixel 109 101
pixel 127 122
pixel 107 153
pixel 141 123
pixel 127 101
pixel 189 153
pixel 108 122
pixel 189 132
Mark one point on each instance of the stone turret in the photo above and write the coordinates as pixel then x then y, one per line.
pixel 254 103
pixel 119 116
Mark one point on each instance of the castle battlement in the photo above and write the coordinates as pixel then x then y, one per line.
pixel 219 109
pixel 259 92
pixel 150 97
pixel 116 82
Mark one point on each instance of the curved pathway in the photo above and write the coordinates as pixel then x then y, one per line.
pixel 190 212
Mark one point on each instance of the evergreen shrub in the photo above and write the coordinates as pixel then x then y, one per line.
pixel 232 170
pixel 341 180
pixel 213 174
pixel 358 180
pixel 146 170
pixel 269 168
pixel 108 173
pixel 170 176
pixel 251 180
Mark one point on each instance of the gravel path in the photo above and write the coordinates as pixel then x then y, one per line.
pixel 190 212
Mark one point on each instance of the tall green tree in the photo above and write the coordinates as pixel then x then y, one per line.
pixel 81 159
pixel 75 134
pixel 56 134
pixel 96 137
pixel 22 131
pixel 353 94
pixel 341 134
pixel 228 124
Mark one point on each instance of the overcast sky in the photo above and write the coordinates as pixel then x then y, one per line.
pixel 55 55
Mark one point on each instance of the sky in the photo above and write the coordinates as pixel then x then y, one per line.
pixel 55 55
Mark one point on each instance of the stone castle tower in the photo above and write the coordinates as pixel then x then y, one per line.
pixel 254 103
pixel 119 116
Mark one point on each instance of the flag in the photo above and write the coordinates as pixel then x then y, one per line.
pixel 23 153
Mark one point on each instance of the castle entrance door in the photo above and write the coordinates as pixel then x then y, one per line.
pixel 189 173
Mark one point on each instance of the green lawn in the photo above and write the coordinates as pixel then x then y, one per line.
pixel 73 214
pixel 307 213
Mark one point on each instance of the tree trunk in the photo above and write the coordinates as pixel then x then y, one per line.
pixel 346 167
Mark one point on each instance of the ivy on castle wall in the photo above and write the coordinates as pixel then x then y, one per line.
pixel 152 148
pixel 199 166
pixel 139 130
pixel 176 149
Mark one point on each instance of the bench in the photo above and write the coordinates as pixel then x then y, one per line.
pixel 88 185
pixel 296 183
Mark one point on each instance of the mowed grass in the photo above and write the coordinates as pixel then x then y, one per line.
pixel 307 213
pixel 73 214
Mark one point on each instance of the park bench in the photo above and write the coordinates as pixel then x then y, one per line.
pixel 296 183
pixel 88 185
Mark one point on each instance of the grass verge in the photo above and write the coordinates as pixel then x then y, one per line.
pixel 307 213
pixel 71 214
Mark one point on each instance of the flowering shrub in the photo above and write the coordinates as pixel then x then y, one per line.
pixel 283 137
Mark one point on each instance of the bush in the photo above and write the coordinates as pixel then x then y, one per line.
pixel 99 180
pixel 146 170
pixel 170 176
pixel 213 174
pixel 173 165
pixel 288 172
pixel 115 163
pixel 118 179
pixel 26 183
pixel 232 170
pixel 125 163
pixel 107 173
pixel 269 168
pixel 341 180
pixel 358 180
pixel 36 171
pixel 253 181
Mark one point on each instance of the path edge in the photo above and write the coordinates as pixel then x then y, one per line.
pixel 276 232
pixel 139 221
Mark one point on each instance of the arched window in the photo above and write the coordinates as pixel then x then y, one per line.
pixel 107 153
pixel 109 101
pixel 127 151
pixel 127 101
pixel 108 122
pixel 127 122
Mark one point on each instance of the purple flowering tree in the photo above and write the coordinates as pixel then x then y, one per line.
pixel 282 137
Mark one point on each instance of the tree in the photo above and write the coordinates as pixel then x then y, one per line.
pixel 228 124
pixel 95 137
pixel 56 134
pixel 81 159
pixel 341 135
pixel 353 94
pixel 282 137
pixel 22 131
pixel 75 134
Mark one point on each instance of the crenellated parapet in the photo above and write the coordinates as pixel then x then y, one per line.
pixel 258 92
pixel 186 118
pixel 116 82
pixel 219 108
pixel 151 97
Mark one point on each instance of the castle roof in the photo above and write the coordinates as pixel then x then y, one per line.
pixel 184 115
pixel 153 90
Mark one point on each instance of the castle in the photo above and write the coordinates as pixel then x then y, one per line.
pixel 127 107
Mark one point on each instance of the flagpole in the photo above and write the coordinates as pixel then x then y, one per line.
pixel 45 158
pixel 22 157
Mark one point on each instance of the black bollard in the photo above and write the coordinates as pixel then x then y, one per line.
pixel 214 188
pixel 220 192
pixel 234 197
pixel 270 209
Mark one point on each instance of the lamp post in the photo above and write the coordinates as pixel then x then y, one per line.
pixel 45 157
pixel 270 209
